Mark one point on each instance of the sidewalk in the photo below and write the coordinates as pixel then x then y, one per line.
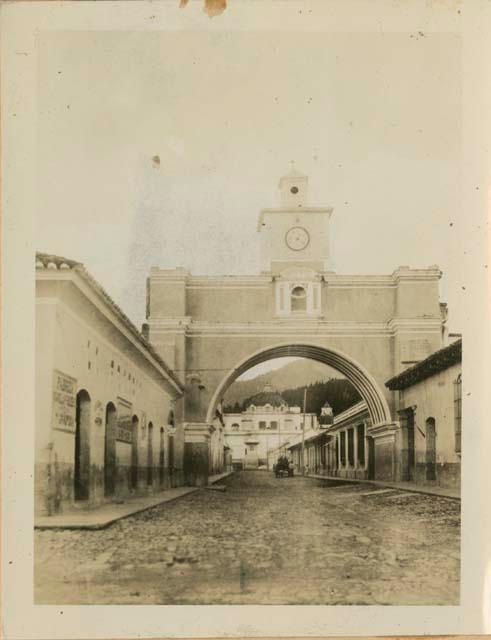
pixel 428 489
pixel 219 476
pixel 103 516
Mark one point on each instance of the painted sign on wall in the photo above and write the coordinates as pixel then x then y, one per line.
pixel 124 431
pixel 64 401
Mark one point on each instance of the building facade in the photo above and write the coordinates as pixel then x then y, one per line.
pixel 267 424
pixel 430 414
pixel 341 449
pixel 368 327
pixel 428 449
pixel 108 409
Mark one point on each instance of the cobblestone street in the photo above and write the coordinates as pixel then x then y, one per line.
pixel 263 541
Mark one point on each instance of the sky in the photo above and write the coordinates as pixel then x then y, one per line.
pixel 374 120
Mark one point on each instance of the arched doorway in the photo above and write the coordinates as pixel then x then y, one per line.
pixel 82 446
pixel 162 457
pixel 150 455
pixel 361 379
pixel 170 459
pixel 134 453
pixel 430 449
pixel 110 450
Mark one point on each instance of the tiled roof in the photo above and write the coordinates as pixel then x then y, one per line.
pixel 433 364
pixel 53 262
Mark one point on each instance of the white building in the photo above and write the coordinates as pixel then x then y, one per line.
pixel 108 409
pixel 266 424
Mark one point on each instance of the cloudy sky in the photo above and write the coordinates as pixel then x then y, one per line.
pixel 374 119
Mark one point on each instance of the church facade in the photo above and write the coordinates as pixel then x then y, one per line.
pixel 267 424
pixel 212 329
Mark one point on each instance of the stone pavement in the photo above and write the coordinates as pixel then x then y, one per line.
pixel 428 489
pixel 263 541
pixel 103 516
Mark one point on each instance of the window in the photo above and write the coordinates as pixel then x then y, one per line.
pixel 262 424
pixel 342 447
pixel 235 427
pixel 361 443
pixel 351 447
pixel 273 424
pixel 298 299
pixel 458 413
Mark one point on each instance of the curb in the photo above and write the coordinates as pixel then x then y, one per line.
pixel 377 483
pixel 108 523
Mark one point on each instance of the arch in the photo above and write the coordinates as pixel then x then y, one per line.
pixel 354 372
pixel 134 453
pixel 82 446
pixel 110 450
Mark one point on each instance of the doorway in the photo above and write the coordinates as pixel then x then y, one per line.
pixel 161 457
pixel 134 453
pixel 171 461
pixel 82 446
pixel 411 453
pixel 110 450
pixel 150 455
pixel 430 449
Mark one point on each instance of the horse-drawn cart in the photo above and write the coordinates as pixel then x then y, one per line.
pixel 283 468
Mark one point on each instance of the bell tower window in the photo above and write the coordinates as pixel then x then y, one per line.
pixel 298 299
pixel 298 292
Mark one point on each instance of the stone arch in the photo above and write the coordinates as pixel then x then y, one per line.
pixel 358 376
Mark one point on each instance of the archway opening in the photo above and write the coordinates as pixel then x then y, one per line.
pixel 268 409
pixel 110 450
pixel 355 373
pixel 82 446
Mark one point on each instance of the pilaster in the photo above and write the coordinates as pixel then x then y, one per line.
pixel 385 446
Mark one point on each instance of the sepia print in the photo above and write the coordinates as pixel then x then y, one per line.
pixel 287 435
pixel 249 315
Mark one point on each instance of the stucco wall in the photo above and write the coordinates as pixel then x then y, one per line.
pixel 434 398
pixel 241 304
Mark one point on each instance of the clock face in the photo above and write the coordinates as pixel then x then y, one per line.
pixel 297 238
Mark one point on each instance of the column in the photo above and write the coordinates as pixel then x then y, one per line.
pixel 197 445
pixel 355 449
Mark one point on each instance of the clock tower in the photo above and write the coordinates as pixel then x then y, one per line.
pixel 294 235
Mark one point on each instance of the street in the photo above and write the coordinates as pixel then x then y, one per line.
pixel 263 541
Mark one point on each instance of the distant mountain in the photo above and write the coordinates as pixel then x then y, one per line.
pixel 294 374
